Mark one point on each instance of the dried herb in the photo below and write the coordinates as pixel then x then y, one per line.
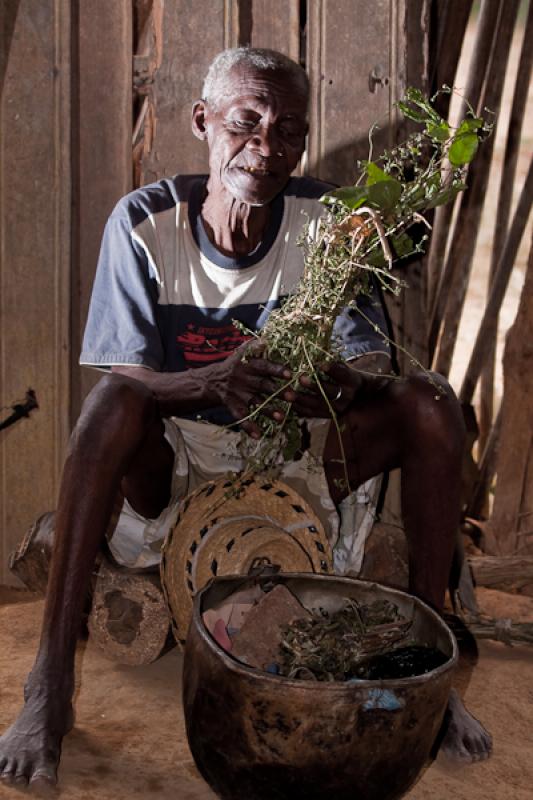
pixel 339 646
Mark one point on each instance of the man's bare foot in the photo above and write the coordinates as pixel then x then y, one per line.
pixel 31 748
pixel 465 739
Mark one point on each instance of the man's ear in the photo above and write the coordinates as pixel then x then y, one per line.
pixel 198 122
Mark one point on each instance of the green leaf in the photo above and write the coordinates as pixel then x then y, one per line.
pixel 438 132
pixel 470 125
pixel 402 245
pixel 385 194
pixel 349 196
pixel 463 149
pixel 376 258
pixel 416 97
pixel 411 113
pixel 446 195
pixel 413 193
pixel 384 191
pixel 375 174
pixel 293 442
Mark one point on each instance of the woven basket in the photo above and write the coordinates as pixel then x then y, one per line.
pixel 226 527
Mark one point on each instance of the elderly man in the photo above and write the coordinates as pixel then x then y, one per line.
pixel 180 260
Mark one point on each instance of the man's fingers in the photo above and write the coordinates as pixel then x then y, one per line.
pixel 265 386
pixel 328 388
pixel 262 366
pixel 251 429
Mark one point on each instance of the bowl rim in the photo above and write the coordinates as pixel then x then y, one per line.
pixel 336 686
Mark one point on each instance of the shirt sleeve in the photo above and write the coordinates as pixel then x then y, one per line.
pixel 362 328
pixel 121 326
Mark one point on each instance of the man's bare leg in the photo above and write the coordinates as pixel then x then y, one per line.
pixel 119 439
pixel 411 425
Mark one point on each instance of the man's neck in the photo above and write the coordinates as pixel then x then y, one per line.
pixel 234 228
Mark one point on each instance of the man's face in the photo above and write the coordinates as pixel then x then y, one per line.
pixel 256 134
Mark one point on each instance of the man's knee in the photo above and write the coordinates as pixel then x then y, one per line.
pixel 430 413
pixel 118 407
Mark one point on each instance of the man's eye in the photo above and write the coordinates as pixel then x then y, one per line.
pixel 291 131
pixel 243 124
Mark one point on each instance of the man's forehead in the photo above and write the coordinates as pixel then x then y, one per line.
pixel 264 87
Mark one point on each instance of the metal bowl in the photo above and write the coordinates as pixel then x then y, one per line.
pixel 256 736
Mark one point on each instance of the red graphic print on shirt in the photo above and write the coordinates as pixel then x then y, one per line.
pixel 205 345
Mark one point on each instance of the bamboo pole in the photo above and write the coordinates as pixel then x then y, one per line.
pixel 461 252
pixel 512 149
pixel 511 521
pixel 487 328
pixel 487 470
pixel 487 27
pixel 452 19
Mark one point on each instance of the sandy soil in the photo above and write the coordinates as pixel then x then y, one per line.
pixel 129 739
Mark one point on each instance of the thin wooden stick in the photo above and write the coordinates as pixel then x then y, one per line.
pixel 487 328
pixel 502 630
pixel 487 470
pixel 451 22
pixel 461 253
pixel 512 149
pixel 438 280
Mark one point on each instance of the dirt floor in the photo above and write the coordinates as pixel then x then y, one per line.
pixel 129 739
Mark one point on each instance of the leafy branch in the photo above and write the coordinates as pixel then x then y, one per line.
pixel 365 230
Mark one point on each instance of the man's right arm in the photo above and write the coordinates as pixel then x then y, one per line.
pixel 239 382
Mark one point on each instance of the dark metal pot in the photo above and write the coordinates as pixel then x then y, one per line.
pixel 256 736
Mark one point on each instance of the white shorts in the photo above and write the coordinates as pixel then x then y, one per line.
pixel 204 452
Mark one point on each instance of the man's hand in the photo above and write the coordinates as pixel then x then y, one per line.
pixel 344 383
pixel 245 380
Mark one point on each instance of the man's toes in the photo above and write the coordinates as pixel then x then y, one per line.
pixel 43 787
pixel 22 774
pixel 9 770
pixel 482 746
pixel 45 774
pixel 460 752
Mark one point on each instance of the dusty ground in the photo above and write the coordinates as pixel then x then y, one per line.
pixel 129 739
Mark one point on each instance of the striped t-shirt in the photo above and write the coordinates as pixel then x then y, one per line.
pixel 165 298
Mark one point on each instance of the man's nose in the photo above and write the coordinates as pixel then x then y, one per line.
pixel 266 141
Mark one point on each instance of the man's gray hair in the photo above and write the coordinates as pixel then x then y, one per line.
pixel 260 59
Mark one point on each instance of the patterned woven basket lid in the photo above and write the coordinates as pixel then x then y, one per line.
pixel 228 526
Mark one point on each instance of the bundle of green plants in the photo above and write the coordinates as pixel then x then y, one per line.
pixel 365 230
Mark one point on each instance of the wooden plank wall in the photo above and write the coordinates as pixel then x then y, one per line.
pixel 93 128
pixel 360 65
pixel 35 256
pixel 101 165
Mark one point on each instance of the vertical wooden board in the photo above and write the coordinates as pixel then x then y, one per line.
pixel 192 32
pixel 352 67
pixel 34 269
pixel 525 515
pixel 513 500
pixel 103 145
pixel 276 24
pixel 361 57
